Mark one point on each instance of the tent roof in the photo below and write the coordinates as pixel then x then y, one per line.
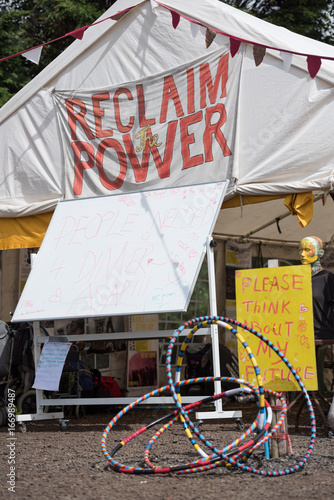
pixel 271 222
pixel 211 13
pixel 282 131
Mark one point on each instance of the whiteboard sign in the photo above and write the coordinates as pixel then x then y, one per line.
pixel 135 253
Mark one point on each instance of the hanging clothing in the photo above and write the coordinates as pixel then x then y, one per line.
pixel 323 304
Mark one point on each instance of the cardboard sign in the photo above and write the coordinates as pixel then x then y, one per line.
pixel 277 302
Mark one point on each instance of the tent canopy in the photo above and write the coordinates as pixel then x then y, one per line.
pixel 171 93
pixel 271 222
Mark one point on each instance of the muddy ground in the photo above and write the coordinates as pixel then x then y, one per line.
pixel 68 464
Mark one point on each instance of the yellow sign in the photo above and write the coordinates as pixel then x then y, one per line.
pixel 277 302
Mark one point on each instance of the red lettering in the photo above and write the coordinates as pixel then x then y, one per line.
pixel 117 267
pixel 88 267
pixel 78 229
pixel 308 373
pixel 286 378
pixel 62 233
pixel 296 282
pixel 274 283
pixel 265 283
pixel 143 121
pixel 247 303
pixel 190 91
pixel 169 218
pixel 288 331
pixel 277 332
pixel 264 377
pixel 106 182
pixel 170 92
pixel 206 80
pixel 256 326
pixel 265 349
pixel 255 285
pixel 140 255
pixel 200 219
pixel 284 350
pixel 122 128
pixel 86 296
pixel 128 222
pixel 187 139
pixel 257 308
pixel 272 307
pixel 81 165
pixel 99 113
pixel 140 171
pixel 267 329
pixel 116 295
pixel 284 306
pixel 74 117
pixel 284 280
pixel 249 372
pixel 163 166
pixel 214 129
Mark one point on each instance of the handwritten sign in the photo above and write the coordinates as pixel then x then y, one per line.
pixel 277 302
pixel 137 253
pixel 50 365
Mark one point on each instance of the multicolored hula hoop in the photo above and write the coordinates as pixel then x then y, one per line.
pixel 239 451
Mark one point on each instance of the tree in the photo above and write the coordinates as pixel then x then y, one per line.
pixel 27 23
pixel 311 18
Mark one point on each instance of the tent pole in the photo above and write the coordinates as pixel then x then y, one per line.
pixel 218 413
pixel 273 221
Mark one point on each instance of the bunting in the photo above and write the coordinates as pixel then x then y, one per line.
pixel 313 61
pixel 209 37
pixel 79 33
pixel 33 55
pixel 175 19
pixel 287 60
pixel 258 52
pixel 313 64
pixel 234 46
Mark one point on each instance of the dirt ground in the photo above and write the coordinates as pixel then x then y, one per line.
pixel 68 464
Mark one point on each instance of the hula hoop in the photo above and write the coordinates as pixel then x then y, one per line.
pixel 233 455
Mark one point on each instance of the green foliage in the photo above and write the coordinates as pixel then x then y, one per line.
pixel 199 304
pixel 311 18
pixel 26 23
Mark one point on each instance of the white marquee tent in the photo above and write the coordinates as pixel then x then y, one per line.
pixel 175 92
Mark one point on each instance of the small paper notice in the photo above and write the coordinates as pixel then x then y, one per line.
pixel 50 366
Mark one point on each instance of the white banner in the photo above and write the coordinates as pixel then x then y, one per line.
pixel 50 365
pixel 176 128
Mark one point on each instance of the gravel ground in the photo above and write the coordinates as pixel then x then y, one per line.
pixel 50 463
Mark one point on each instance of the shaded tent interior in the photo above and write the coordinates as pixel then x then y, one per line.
pixel 271 228
pixel 24 210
